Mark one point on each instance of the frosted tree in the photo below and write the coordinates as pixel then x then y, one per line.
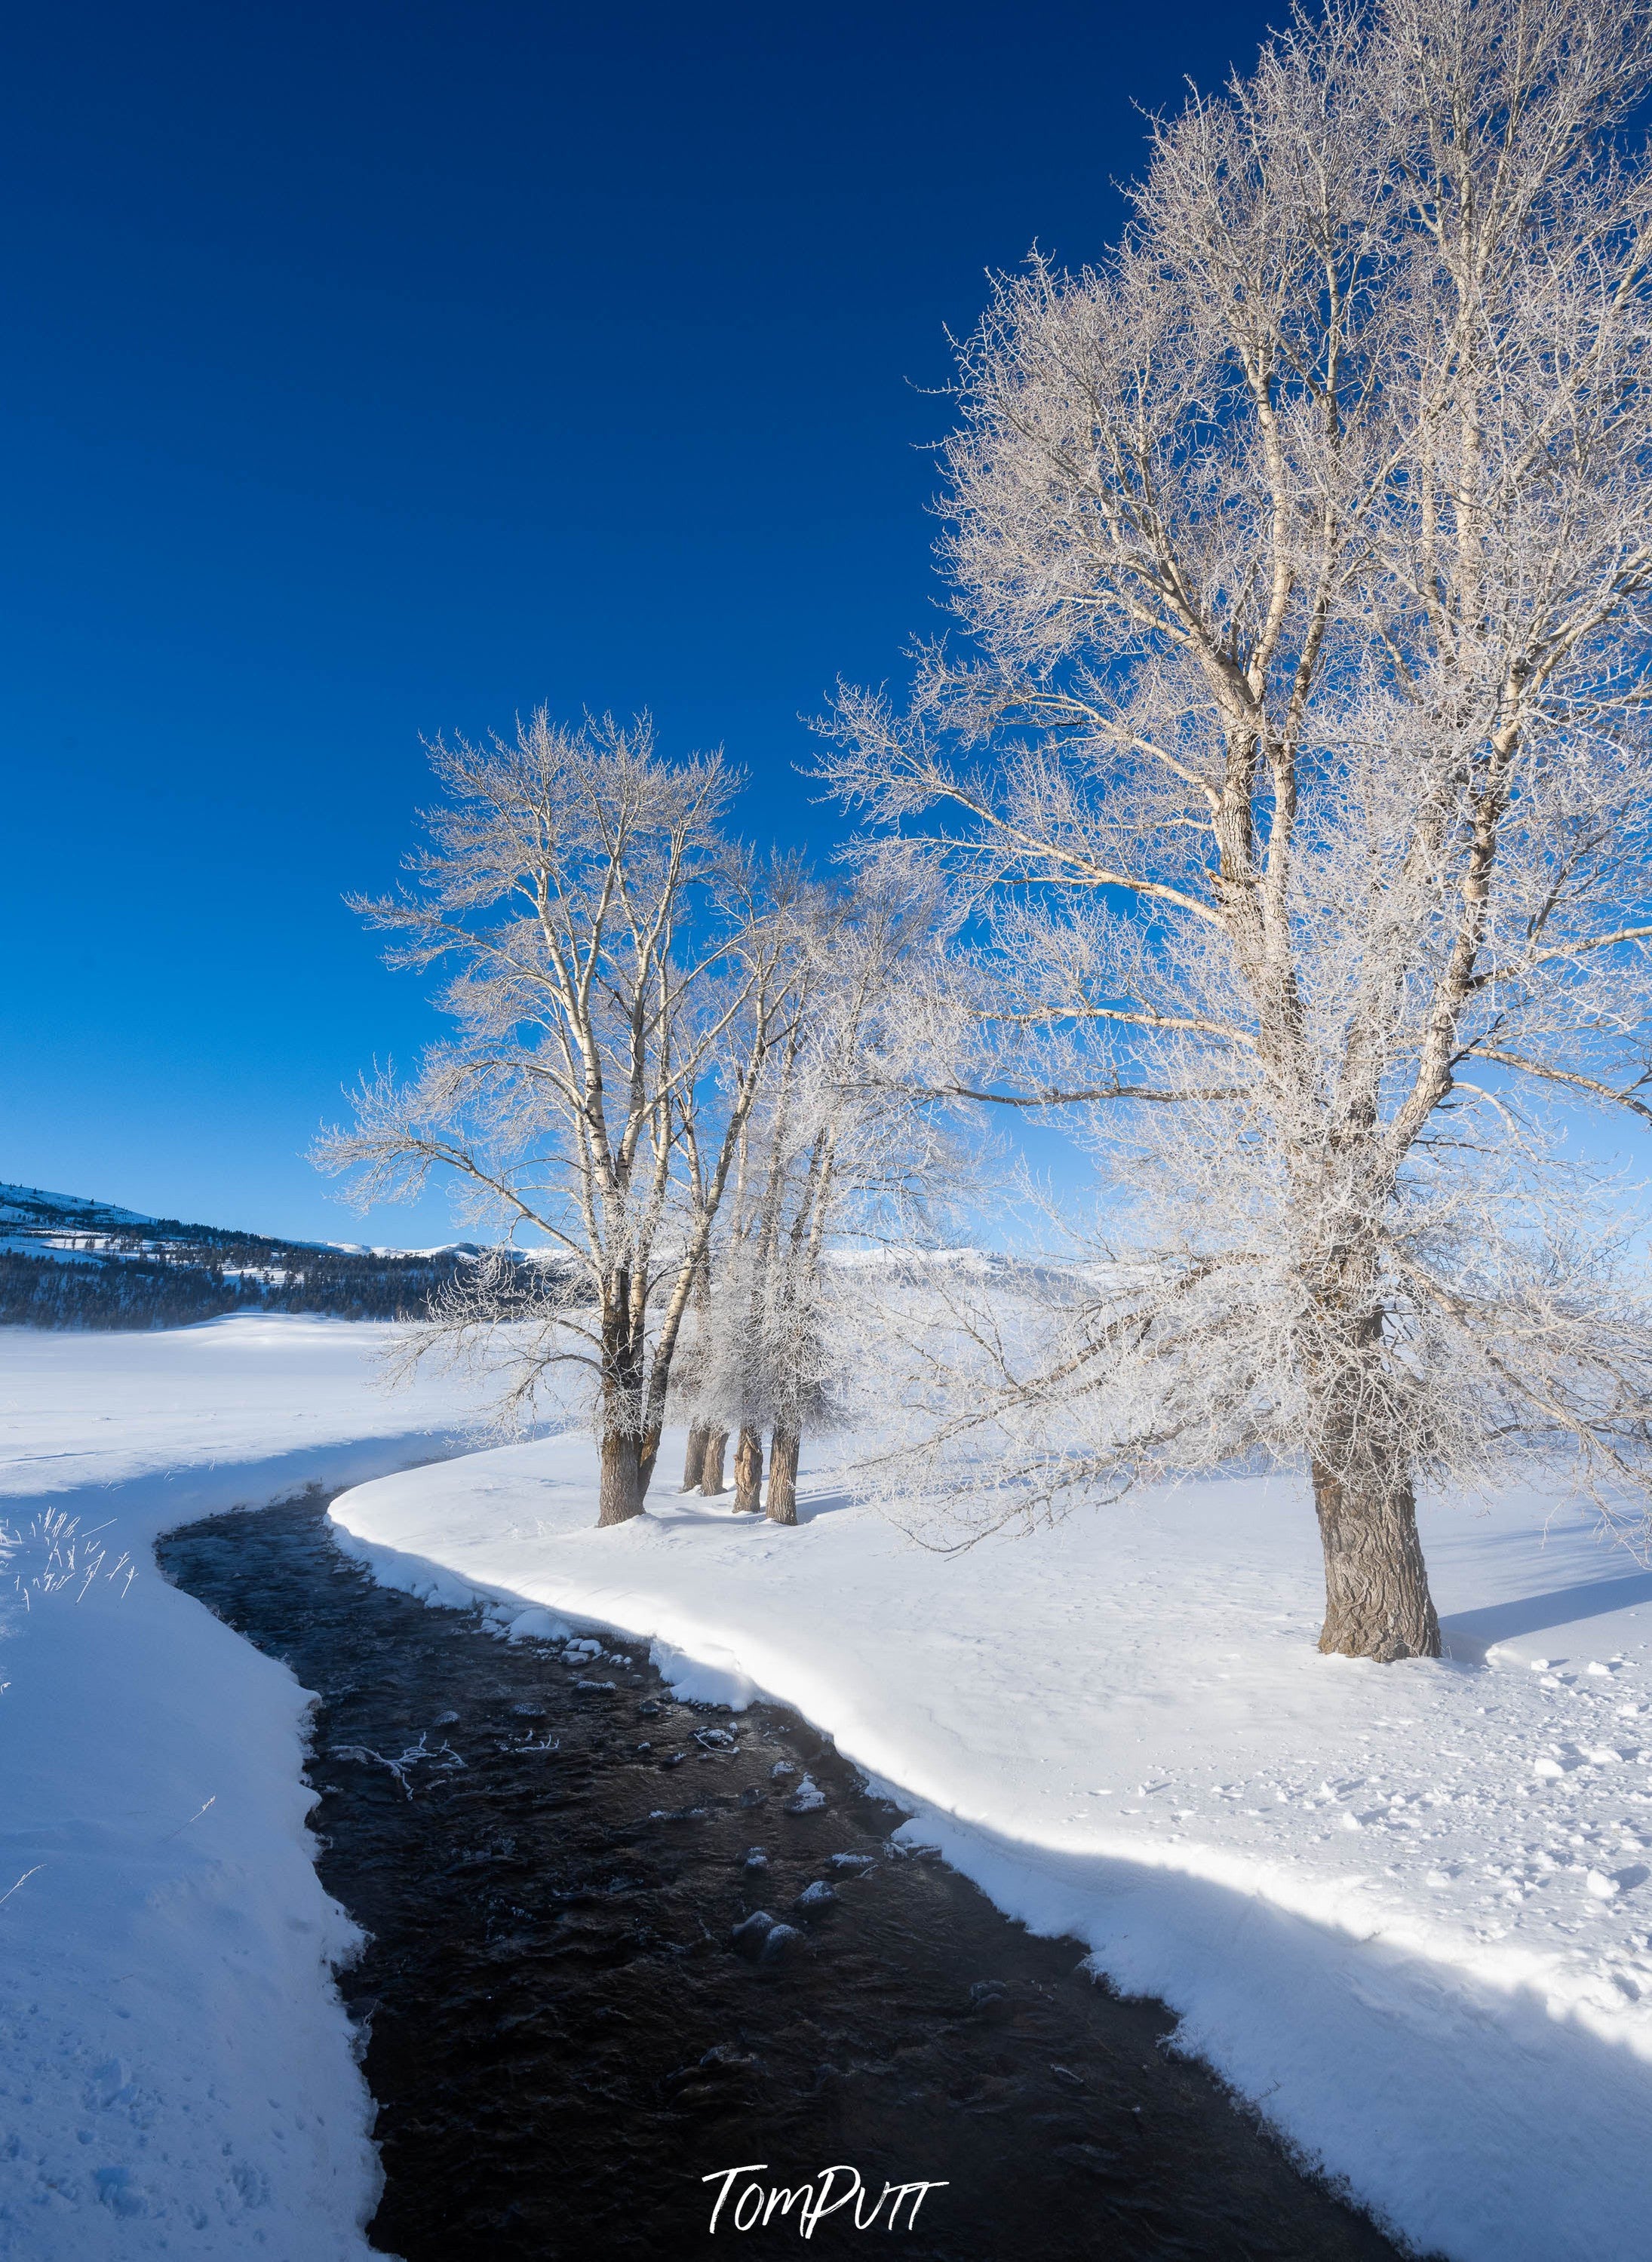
pixel 701 1378
pixel 752 1373
pixel 707 1445
pixel 618 978
pixel 845 1147
pixel 1296 760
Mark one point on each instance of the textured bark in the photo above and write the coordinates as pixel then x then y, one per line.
pixel 624 1480
pixel 620 1493
pixel 1377 1603
pixel 783 1476
pixel 694 1458
pixel 712 1480
pixel 748 1473
pixel 647 1454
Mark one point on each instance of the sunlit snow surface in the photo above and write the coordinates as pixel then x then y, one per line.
pixel 1405 1908
pixel 176 2073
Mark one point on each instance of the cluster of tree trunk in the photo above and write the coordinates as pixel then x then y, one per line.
pixel 705 1460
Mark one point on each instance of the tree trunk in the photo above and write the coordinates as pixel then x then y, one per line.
pixel 647 1454
pixel 620 1493
pixel 694 1459
pixel 713 1481
pixel 625 1470
pixel 748 1474
pixel 1377 1603
pixel 782 1475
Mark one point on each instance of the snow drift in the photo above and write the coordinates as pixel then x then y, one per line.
pixel 1403 1909
pixel 177 2073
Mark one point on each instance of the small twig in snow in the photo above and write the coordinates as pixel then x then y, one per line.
pixel 184 1825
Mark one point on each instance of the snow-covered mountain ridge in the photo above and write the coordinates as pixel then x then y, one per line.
pixel 70 1260
pixel 32 1217
pixel 35 1211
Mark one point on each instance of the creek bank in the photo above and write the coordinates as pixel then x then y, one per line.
pixel 553 1856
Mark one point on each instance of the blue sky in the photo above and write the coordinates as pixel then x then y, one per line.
pixel 368 372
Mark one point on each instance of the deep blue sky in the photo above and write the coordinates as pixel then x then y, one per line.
pixel 368 370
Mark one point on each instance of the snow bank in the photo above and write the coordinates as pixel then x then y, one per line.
pixel 1403 1908
pixel 175 2070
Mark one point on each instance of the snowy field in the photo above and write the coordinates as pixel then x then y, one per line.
pixel 1406 1909
pixel 175 2072
pixel 1403 1908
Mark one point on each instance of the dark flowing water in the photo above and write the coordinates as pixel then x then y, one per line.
pixel 565 2035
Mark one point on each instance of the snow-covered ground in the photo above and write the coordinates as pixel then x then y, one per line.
pixel 175 2071
pixel 1406 1909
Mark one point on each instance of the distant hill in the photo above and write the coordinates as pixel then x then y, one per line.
pixel 66 1261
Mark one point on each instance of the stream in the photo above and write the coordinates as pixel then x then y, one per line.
pixel 621 1944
